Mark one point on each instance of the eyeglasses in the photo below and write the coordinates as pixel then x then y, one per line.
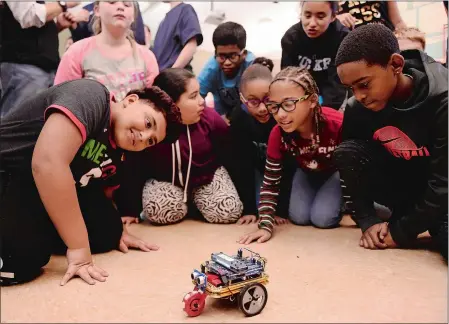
pixel 233 57
pixel 253 103
pixel 287 105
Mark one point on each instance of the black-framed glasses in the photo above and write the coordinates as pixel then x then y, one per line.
pixel 233 57
pixel 253 103
pixel 287 105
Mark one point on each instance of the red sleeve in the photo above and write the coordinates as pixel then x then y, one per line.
pixel 274 144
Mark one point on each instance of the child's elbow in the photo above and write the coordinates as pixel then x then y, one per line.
pixel 42 164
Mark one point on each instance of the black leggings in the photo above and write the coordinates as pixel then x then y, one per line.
pixel 28 237
pixel 371 175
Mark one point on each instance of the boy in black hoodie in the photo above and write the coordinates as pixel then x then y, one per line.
pixel 313 43
pixel 394 148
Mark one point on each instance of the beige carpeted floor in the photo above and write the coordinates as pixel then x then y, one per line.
pixel 315 276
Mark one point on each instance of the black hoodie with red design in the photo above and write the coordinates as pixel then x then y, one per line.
pixel 415 132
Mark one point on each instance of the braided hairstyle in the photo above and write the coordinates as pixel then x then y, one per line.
pixel 162 102
pixel 302 77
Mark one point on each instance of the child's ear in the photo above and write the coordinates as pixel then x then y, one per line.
pixel 397 62
pixel 313 101
pixel 97 10
pixel 129 100
pixel 245 52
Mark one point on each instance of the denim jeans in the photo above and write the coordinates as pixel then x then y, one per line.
pixel 19 82
pixel 315 199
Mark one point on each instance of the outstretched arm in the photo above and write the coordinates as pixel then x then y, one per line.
pixel 54 181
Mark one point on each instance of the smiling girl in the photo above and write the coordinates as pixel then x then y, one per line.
pixel 313 43
pixel 112 57
pixel 309 133
pixel 168 179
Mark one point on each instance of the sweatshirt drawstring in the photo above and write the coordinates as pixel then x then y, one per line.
pixel 173 164
pixel 190 164
pixel 179 158
pixel 176 151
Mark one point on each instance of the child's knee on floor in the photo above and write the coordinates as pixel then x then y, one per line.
pixel 300 217
pixel 325 219
pixel 163 203
pixel 222 210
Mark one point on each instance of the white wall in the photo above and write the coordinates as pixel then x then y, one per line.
pixel 264 22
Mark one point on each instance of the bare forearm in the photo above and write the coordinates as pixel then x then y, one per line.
pixel 57 191
pixel 395 15
pixel 186 54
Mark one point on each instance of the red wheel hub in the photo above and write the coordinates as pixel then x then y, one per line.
pixel 194 303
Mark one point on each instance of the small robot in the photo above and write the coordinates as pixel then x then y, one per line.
pixel 229 277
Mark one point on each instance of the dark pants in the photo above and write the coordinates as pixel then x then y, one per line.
pixel 28 237
pixel 371 175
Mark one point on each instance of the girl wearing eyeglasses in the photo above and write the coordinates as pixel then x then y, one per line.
pixel 251 124
pixel 309 133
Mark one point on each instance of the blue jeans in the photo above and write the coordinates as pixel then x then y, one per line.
pixel 19 82
pixel 315 199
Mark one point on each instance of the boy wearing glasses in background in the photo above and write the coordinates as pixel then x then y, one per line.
pixel 221 74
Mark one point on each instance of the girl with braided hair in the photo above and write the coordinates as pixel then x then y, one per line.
pixel 309 133
pixel 62 153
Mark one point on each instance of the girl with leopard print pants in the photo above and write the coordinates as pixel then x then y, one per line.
pixel 164 180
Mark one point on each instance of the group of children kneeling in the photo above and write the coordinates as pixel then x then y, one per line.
pixel 77 163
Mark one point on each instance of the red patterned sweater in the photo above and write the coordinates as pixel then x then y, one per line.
pixel 308 158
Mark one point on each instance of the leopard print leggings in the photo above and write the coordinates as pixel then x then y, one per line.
pixel 217 201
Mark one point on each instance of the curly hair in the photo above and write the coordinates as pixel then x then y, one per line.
pixel 373 43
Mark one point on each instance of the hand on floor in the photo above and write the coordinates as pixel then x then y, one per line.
pixel 260 235
pixel 130 241
pixel 247 219
pixel 128 220
pixel 81 264
pixel 373 237
pixel 388 240
pixel 280 221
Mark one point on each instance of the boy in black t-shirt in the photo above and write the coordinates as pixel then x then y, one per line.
pixel 60 155
pixel 394 149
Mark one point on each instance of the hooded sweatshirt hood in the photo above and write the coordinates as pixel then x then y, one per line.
pixel 430 78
